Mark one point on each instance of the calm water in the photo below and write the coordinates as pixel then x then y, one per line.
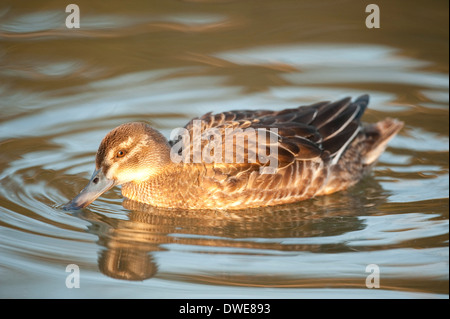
pixel 62 90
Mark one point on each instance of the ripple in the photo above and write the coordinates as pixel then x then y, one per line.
pixel 327 56
pixel 50 24
pixel 62 90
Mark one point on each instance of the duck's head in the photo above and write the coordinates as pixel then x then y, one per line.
pixel 131 153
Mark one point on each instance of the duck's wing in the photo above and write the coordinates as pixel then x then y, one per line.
pixel 319 131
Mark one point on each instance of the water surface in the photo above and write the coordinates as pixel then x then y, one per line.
pixel 62 90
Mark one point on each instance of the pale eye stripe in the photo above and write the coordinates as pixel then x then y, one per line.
pixel 126 144
pixel 122 146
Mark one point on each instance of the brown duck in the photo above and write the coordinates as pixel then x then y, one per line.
pixel 241 159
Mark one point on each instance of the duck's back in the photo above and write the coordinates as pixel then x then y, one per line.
pixel 306 151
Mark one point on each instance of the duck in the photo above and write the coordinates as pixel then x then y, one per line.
pixel 241 159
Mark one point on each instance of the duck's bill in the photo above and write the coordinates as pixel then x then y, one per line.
pixel 96 186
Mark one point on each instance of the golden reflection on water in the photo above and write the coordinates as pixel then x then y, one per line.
pixel 128 244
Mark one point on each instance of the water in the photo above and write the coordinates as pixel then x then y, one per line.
pixel 63 89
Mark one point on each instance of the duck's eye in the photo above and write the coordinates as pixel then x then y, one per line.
pixel 120 153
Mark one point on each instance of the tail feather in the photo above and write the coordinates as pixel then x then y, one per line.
pixel 379 135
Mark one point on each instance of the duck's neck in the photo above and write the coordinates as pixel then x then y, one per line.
pixel 174 186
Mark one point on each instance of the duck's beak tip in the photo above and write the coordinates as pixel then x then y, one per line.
pixel 72 206
pixel 96 186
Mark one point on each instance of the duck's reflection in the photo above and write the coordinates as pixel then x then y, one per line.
pixel 127 245
pixel 127 263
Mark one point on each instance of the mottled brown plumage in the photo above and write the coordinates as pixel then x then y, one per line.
pixel 321 149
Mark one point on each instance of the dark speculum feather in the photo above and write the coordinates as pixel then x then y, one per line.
pixel 286 117
pixel 268 120
pixel 286 132
pixel 291 147
pixel 340 122
pixel 327 112
pixel 303 130
pixel 305 116
pixel 308 149
pixel 334 144
pixel 363 102
pixel 285 111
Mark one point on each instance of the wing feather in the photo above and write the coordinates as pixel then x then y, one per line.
pixel 319 131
